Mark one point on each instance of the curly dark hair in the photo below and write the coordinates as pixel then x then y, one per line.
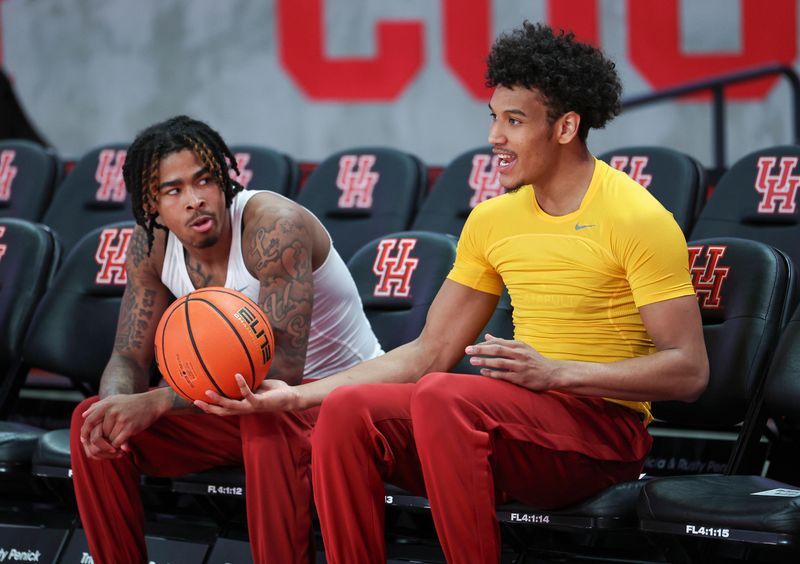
pixel 571 76
pixel 140 170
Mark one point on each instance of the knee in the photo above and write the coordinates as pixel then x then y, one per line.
pixel 343 417
pixel 77 415
pixel 432 393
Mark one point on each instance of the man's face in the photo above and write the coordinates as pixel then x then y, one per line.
pixel 521 136
pixel 189 200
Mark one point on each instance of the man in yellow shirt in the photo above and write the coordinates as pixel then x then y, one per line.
pixel 605 321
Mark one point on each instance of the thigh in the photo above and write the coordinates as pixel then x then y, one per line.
pixel 180 443
pixel 380 415
pixel 548 479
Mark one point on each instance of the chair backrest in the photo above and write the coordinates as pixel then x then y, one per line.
pixel 93 194
pixel 757 199
pixel 468 180
pixel 28 257
pixel 363 193
pixel 73 329
pixel 28 174
pixel 262 168
pixel 398 276
pixel 742 287
pixel 674 178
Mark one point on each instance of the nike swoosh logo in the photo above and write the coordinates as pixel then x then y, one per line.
pixel 242 289
pixel 578 226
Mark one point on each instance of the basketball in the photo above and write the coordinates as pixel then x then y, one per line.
pixel 206 337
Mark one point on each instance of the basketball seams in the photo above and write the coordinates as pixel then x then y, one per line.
pixel 174 382
pixel 194 343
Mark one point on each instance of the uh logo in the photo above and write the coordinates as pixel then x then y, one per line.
pixel 707 278
pixel 778 191
pixel 112 249
pixel 484 178
pixel 394 272
pixel 7 173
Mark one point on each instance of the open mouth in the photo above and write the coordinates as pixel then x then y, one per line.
pixel 202 224
pixel 505 159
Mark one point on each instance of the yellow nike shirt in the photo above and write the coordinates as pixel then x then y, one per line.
pixel 577 280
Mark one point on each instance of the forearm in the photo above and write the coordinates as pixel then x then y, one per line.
pixel 407 363
pixel 671 374
pixel 122 375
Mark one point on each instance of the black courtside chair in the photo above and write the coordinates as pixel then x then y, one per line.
pixel 90 196
pixel 363 193
pixel 676 179
pixel 757 198
pixel 28 175
pixel 28 257
pixel 756 513
pixel 469 179
pixel 262 168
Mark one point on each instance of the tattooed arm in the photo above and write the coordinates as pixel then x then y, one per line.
pixel 277 244
pixel 125 406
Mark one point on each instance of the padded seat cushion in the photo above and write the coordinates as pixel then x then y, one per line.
pixel 17 442
pixel 727 501
pixel 53 449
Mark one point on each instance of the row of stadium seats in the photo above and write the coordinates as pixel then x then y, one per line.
pixel 363 193
pixel 62 318
pixel 746 290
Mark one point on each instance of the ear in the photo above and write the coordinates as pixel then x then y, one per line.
pixel 567 127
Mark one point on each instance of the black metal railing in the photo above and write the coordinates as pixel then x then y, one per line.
pixel 716 85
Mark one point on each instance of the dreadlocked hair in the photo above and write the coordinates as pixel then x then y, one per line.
pixel 141 168
pixel 570 75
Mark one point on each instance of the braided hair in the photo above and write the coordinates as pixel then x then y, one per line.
pixel 572 76
pixel 141 168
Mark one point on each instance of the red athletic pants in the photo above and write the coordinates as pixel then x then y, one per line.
pixel 467 442
pixel 274 448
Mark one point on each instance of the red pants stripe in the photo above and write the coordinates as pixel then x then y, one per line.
pixel 467 442
pixel 274 449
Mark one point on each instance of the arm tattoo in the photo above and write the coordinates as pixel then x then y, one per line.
pixel 137 248
pixel 282 253
pixel 136 314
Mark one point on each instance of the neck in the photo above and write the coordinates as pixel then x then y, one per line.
pixel 562 190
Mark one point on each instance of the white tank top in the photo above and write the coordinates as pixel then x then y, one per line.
pixel 340 334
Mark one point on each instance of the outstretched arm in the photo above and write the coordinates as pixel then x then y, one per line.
pixel 678 370
pixel 454 320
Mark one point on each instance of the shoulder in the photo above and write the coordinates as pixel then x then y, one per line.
pixel 144 259
pixel 265 208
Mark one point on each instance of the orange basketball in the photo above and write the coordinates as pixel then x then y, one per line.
pixel 207 336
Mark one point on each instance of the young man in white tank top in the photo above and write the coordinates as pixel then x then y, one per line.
pixel 196 228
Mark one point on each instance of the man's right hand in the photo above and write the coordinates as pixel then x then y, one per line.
pixel 109 423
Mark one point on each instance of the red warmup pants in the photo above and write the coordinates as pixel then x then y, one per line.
pixel 274 448
pixel 467 442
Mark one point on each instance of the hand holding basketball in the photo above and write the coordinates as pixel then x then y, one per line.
pixel 207 337
pixel 271 395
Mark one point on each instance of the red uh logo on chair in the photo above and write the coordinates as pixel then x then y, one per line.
pixel 484 178
pixel 356 185
pixel 2 247
pixel 109 176
pixel 110 255
pixel 7 173
pixel 707 279
pixel 245 174
pixel 394 271
pixel 636 171
pixel 774 189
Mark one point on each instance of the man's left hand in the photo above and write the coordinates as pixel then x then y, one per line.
pixel 515 362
